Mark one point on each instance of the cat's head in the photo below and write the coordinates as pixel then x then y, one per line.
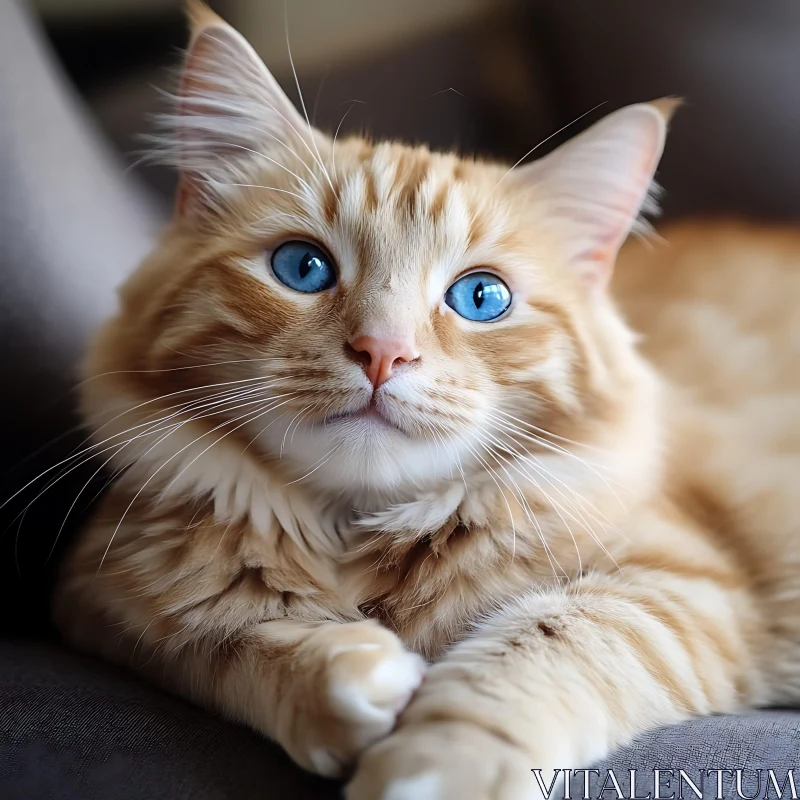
pixel 373 315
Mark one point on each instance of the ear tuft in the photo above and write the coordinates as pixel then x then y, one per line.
pixel 667 106
pixel 651 208
pixel 201 17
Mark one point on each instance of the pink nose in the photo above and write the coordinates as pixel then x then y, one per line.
pixel 380 357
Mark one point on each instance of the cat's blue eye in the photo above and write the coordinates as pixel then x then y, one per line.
pixel 303 267
pixel 479 296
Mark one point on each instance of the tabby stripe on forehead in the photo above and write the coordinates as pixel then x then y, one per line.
pixel 370 191
pixel 439 201
pixel 459 171
pixel 412 171
pixel 478 226
pixel 330 204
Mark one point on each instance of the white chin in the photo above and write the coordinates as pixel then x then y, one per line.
pixel 362 453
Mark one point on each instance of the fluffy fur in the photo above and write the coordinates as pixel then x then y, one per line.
pixel 579 538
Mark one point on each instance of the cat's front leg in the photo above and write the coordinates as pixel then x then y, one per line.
pixel 324 691
pixel 557 680
pixel 184 611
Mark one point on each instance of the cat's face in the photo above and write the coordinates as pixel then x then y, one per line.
pixel 398 315
pixel 376 316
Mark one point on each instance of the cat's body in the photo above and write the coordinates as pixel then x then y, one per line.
pixel 601 543
pixel 717 310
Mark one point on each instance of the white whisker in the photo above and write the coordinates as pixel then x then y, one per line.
pixel 353 103
pixel 302 101
pixel 249 417
pixel 253 186
pixel 578 516
pixel 544 141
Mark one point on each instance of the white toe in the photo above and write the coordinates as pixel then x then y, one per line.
pixel 325 763
pixel 427 786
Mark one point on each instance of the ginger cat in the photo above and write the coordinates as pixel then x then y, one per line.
pixel 376 416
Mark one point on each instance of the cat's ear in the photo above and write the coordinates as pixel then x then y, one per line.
pixel 594 187
pixel 229 108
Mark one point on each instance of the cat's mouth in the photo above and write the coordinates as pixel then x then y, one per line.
pixel 369 415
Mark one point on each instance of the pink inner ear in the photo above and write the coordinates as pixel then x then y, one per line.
pixel 604 252
pixel 187 190
pixel 597 183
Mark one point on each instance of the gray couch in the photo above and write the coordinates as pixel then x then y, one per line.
pixel 71 226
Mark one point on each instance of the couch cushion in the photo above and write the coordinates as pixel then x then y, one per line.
pixel 72 728
pixel 75 729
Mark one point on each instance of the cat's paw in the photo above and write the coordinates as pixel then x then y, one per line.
pixel 443 761
pixel 362 679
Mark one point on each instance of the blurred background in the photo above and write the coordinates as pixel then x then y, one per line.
pixel 488 76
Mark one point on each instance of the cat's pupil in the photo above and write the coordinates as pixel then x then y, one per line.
pixel 477 295
pixel 306 263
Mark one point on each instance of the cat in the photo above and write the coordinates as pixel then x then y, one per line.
pixel 396 483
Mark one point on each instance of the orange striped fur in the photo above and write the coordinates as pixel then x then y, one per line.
pixel 576 536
